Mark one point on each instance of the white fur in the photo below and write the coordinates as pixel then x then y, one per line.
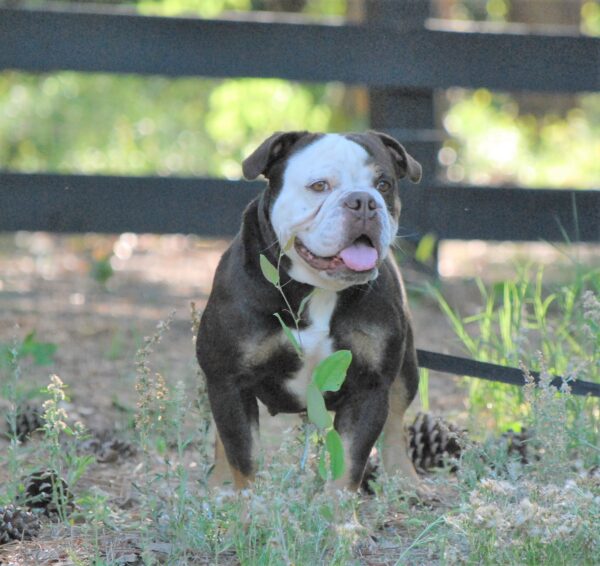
pixel 315 340
pixel 317 218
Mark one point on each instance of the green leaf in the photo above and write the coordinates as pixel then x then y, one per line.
pixel 28 341
pixel 41 352
pixel 325 511
pixel 101 270
pixel 269 270
pixel 289 244
pixel 5 354
pixel 161 445
pixel 289 334
pixel 315 406
pixel 304 302
pixel 426 248
pixel 68 431
pixel 331 372
pixel 335 447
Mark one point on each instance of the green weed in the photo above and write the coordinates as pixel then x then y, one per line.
pixel 101 270
pixel 521 322
pixel 42 353
pixel 495 509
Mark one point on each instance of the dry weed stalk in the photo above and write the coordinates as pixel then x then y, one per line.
pixel 152 389
pixel 549 422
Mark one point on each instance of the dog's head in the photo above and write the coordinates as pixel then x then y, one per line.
pixel 337 196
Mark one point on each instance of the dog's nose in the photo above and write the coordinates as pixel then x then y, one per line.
pixel 361 203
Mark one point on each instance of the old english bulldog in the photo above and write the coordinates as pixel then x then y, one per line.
pixel 336 197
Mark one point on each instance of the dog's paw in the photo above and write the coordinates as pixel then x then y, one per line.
pixel 426 493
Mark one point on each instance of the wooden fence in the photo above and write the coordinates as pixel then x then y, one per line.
pixel 402 60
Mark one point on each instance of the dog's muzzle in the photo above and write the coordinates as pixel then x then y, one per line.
pixel 361 248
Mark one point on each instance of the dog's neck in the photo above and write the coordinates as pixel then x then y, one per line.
pixel 260 239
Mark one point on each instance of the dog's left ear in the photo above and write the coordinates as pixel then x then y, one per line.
pixel 268 152
pixel 405 163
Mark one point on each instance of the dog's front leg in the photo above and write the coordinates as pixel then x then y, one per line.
pixel 236 416
pixel 359 421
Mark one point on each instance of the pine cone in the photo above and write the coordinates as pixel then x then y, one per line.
pixel 432 442
pixel 40 490
pixel 17 524
pixel 516 444
pixel 369 475
pixel 106 447
pixel 113 449
pixel 29 420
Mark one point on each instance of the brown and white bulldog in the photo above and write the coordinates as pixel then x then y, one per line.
pixel 337 196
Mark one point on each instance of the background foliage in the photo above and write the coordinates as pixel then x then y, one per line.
pixel 96 123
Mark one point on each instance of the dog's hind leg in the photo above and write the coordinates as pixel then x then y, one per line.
pixel 395 447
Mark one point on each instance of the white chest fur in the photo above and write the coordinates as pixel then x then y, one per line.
pixel 314 340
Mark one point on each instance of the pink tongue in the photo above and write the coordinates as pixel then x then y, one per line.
pixel 359 257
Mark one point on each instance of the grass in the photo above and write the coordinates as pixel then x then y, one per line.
pixel 521 322
pixel 493 510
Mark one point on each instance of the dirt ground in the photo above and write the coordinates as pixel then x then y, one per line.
pixel 47 286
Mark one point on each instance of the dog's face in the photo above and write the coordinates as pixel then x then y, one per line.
pixel 337 197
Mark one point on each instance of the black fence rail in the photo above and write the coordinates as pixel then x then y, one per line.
pixel 212 207
pixel 403 56
pixel 402 62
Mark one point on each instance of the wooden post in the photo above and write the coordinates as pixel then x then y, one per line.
pixel 408 114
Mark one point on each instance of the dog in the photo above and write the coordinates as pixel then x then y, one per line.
pixel 332 205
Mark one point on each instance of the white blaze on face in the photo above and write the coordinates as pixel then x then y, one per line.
pixel 317 218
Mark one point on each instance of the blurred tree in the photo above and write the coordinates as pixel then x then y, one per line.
pixel 145 125
pixel 94 123
pixel 528 139
pixel 492 142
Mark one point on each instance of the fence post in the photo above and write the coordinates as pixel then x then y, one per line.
pixel 407 114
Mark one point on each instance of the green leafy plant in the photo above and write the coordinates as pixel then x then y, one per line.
pixel 42 353
pixel 521 322
pixel 329 375
pixel 101 270
pixel 60 461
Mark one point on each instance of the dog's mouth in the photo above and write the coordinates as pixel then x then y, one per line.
pixel 359 256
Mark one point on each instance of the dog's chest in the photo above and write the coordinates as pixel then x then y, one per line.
pixel 314 340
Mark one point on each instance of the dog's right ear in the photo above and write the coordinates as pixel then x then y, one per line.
pixel 268 152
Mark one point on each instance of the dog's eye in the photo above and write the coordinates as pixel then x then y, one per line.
pixel 319 186
pixel 383 186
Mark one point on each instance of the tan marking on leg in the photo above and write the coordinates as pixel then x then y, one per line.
pixel 240 481
pixel 395 447
pixel 223 472
pixel 220 473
